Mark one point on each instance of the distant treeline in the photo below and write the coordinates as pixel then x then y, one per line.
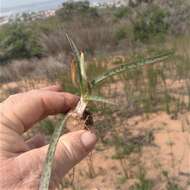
pixel 94 29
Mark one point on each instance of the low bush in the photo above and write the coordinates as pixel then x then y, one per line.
pixel 121 34
pixel 77 9
pixel 121 12
pixel 19 42
pixel 152 23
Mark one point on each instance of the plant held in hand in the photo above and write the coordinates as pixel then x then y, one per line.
pixel 75 118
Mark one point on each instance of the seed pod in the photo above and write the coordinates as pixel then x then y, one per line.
pixel 73 73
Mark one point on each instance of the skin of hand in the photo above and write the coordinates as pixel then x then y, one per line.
pixel 21 162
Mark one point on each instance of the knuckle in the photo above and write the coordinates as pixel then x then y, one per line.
pixel 33 91
pixel 13 98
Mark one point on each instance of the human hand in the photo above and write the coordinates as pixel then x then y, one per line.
pixel 21 162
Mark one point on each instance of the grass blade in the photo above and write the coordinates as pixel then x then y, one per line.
pixel 125 67
pixel 47 170
pixel 73 47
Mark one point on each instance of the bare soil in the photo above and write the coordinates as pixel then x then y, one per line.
pixel 167 152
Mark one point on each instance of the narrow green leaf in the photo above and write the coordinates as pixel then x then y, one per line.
pixel 47 170
pixel 124 67
pixel 98 99
pixel 73 47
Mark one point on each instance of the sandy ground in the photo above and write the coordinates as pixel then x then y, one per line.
pixel 168 151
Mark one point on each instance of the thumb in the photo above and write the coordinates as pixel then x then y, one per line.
pixel 71 149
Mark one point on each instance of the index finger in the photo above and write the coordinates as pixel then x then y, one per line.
pixel 21 111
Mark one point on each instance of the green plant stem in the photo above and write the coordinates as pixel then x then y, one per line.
pixel 47 170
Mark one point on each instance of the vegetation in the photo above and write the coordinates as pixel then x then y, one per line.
pixel 77 9
pixel 121 12
pixel 20 42
pixel 152 23
pixel 121 45
pixel 144 183
pixel 94 29
pixel 79 75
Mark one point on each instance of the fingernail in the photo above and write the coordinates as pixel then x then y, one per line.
pixel 89 140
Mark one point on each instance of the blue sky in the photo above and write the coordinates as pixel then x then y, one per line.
pixel 13 3
pixel 8 7
pixel 16 3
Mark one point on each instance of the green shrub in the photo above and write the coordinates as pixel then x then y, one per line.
pixel 75 9
pixel 121 12
pixel 120 34
pixel 152 23
pixel 19 42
